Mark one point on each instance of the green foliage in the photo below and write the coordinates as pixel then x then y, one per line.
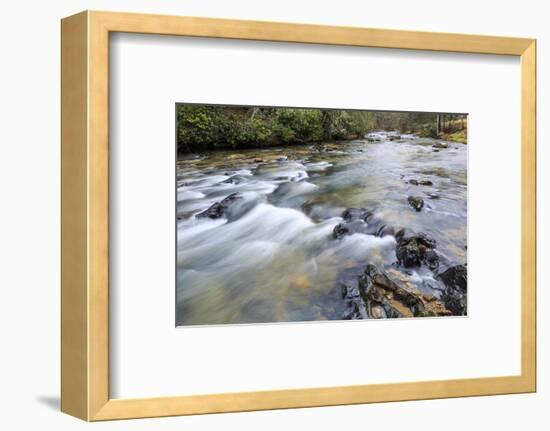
pixel 298 125
pixel 205 127
pixel 202 128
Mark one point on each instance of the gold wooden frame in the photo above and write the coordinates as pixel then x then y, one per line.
pixel 85 219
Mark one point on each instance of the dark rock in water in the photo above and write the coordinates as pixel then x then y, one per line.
pixel 436 150
pixel 385 230
pixel 281 179
pixel 355 307
pixel 440 145
pixel 374 294
pixel 416 250
pixel 231 207
pixel 379 291
pixel 403 233
pixel 374 226
pixel 352 312
pixel 455 295
pixel 235 179
pixel 394 137
pixel 421 182
pixel 455 302
pixel 361 220
pixel 216 210
pixel 352 214
pixel 456 277
pixel 416 202
pixel 433 196
pixel 340 230
pixel 431 259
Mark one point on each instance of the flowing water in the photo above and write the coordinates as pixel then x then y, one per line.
pixel 274 259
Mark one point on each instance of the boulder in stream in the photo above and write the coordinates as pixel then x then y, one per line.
pixel 416 250
pixel 352 214
pixel 361 220
pixel 456 277
pixel 235 179
pixel 416 202
pixel 231 207
pixel 385 298
pixel 455 296
pixel 420 182
pixel 340 230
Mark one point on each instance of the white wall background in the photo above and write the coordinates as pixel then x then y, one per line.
pixel 29 216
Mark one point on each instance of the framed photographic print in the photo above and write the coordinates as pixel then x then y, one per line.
pixel 267 215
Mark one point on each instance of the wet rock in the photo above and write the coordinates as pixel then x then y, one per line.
pixel 379 291
pixel 420 182
pixel 431 259
pixel 440 145
pixel 352 214
pixel 403 233
pixel 355 307
pixel 231 207
pixel 340 230
pixel 456 277
pixel 385 230
pixel 455 295
pixel 352 312
pixel 416 202
pixel 235 179
pixel 455 302
pixel 416 250
pixel 377 312
pixel 361 220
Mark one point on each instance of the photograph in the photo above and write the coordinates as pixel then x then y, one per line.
pixel 303 214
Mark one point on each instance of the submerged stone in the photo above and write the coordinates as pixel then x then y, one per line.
pixel 416 202
pixel 420 182
pixel 231 207
pixel 235 179
pixel 340 230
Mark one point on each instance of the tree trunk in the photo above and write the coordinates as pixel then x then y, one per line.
pixel 254 111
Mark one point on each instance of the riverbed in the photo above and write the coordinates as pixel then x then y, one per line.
pixel 275 256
